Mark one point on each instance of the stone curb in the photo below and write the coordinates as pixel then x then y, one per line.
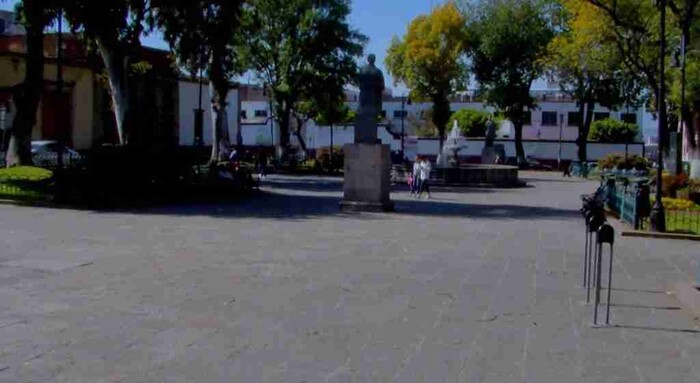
pixel 648 234
pixel 38 203
pixel 688 294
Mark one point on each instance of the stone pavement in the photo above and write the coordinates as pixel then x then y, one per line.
pixel 475 285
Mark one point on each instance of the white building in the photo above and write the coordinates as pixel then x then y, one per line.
pixel 189 93
pixel 9 25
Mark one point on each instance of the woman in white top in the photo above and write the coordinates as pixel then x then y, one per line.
pixel 425 169
pixel 415 176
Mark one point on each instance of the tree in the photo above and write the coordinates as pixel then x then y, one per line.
pixel 429 59
pixel 472 123
pixel 685 12
pixel 35 16
pixel 585 60
pixel 613 131
pixel 507 38
pixel 202 29
pixel 115 26
pixel 293 43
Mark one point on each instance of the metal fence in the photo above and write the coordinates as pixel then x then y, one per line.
pixel 54 160
pixel 678 221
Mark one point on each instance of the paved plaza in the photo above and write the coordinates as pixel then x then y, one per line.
pixel 474 285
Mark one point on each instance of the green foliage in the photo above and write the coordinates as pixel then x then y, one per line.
pixel 613 131
pixel 472 123
pixel 618 161
pixel 24 182
pixel 197 29
pixel 679 204
pixel 506 41
pixel 25 173
pixel 301 48
pixel 429 59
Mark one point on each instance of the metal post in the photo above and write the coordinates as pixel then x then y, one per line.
pixel 199 114
pixel 607 313
pixel 403 115
pixel 331 156
pixel 561 127
pixel 599 255
pixel 59 84
pixel 658 216
pixel 683 113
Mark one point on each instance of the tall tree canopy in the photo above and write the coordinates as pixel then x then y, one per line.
pixel 293 43
pixel 585 60
pixel 210 31
pixel 507 38
pixel 429 60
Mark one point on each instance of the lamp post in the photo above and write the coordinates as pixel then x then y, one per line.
pixel 405 100
pixel 658 216
pixel 199 113
pixel 561 127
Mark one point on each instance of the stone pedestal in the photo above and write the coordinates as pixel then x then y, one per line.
pixel 367 178
pixel 488 155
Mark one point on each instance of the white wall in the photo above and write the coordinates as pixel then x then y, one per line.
pixel 533 131
pixel 189 93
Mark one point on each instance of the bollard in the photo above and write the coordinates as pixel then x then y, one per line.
pixel 594 221
pixel 606 234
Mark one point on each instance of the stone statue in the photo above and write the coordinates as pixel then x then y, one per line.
pixel 490 133
pixel 371 81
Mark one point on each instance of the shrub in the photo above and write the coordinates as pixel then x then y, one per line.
pixel 612 161
pixel 472 123
pixel 28 173
pixel 672 183
pixel 679 204
pixel 613 131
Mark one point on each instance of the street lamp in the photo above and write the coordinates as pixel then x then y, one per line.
pixel 658 216
pixel 405 100
pixel 561 127
pixel 199 112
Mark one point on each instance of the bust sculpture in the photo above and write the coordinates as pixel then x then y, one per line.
pixel 371 81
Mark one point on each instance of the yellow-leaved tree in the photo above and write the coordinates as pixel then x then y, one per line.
pixel 585 60
pixel 429 60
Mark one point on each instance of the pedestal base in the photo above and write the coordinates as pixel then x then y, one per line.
pixel 488 156
pixel 367 185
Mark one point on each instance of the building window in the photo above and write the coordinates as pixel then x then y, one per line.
pixel 400 113
pixel 383 114
pixel 261 113
pixel 527 118
pixel 244 114
pixel 629 118
pixel 549 118
pixel 600 116
pixel 574 118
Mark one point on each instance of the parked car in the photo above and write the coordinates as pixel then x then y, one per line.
pixel 46 154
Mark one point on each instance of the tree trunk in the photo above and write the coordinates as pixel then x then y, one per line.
pixel 283 119
pixel 299 136
pixel 584 128
pixel 27 95
pixel 218 88
pixel 691 137
pixel 519 149
pixel 441 115
pixel 117 65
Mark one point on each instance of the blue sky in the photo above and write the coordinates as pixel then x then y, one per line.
pixel 380 20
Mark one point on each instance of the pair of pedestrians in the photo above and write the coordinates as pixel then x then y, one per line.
pixel 420 177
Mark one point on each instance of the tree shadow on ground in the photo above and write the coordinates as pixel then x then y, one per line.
pixel 305 206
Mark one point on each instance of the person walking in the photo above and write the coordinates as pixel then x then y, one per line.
pixel 425 169
pixel 415 177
